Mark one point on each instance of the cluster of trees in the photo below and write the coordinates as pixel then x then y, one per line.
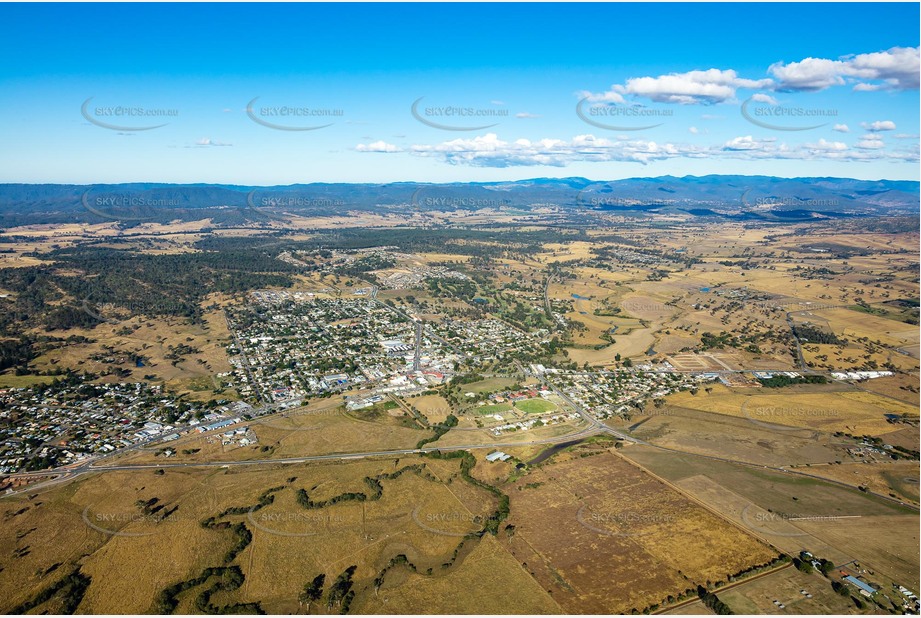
pixel 812 334
pixel 153 506
pixel 402 560
pixel 464 289
pixel 312 591
pixel 523 316
pixel 805 566
pixel 134 281
pixel 340 592
pixel 16 352
pixel 467 462
pixel 265 499
pixel 228 579
pixel 373 483
pixel 779 381
pixel 708 340
pixel 71 589
pixel 231 577
pixel 712 601
pixel 780 559
pixel 362 267
pixel 482 242
pixel 440 430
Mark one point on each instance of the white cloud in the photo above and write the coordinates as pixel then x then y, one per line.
pixel 870 141
pixel 825 145
pixel 841 128
pixel 378 146
pixel 491 151
pixel 879 125
pixel 603 97
pixel 710 86
pixel 747 142
pixel 764 98
pixel 526 115
pixel 693 130
pixel 864 87
pixel 808 74
pixel 207 141
pixel 895 69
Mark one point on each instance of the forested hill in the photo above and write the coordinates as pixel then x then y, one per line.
pixel 732 197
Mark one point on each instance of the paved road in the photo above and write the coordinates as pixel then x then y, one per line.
pixel 593 422
pixel 97 464
pixel 97 467
pixel 595 427
pixel 246 365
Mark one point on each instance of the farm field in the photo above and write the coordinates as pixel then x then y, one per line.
pixel 850 411
pixel 564 511
pixel 794 512
pixel 707 433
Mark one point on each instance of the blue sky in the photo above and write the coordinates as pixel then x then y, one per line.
pixel 826 90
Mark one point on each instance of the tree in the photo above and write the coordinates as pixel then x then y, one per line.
pixel 312 591
pixel 840 588
pixel 341 587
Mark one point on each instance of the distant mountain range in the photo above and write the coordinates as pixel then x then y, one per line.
pixel 766 198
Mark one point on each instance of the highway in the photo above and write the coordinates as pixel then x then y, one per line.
pixel 94 466
pixel 595 426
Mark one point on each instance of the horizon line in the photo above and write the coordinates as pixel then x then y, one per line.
pixel 420 182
